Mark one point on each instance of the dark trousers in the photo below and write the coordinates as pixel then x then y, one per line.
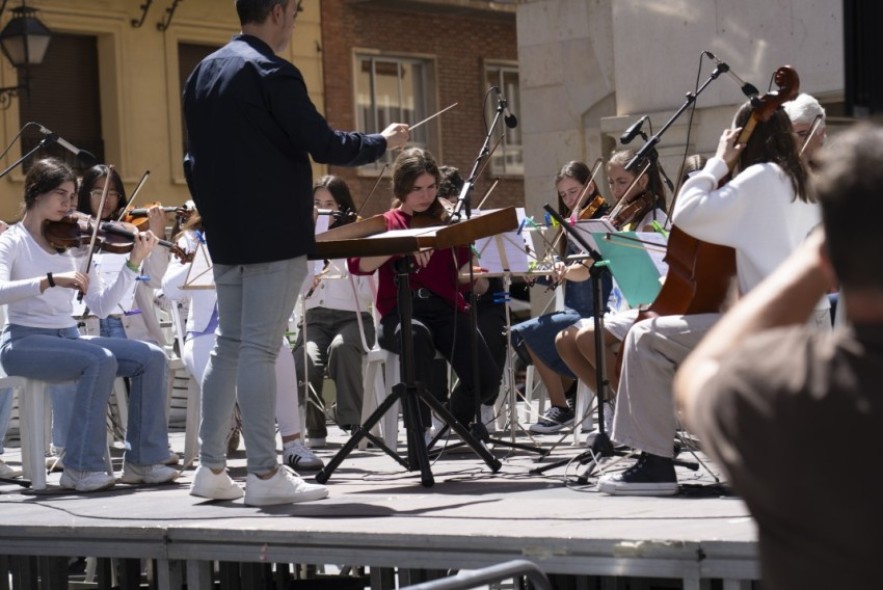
pixel 436 326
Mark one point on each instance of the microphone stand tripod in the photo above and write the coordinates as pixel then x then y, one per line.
pixel 478 429
pixel 410 392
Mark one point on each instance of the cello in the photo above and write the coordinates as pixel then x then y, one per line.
pixel 700 273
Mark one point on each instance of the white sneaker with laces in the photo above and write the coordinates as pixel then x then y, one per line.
pixel 86 481
pixel 282 488
pixel 7 471
pixel 298 457
pixel 214 486
pixel 153 474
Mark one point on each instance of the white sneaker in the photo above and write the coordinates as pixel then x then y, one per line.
pixel 317 442
pixel 173 458
pixel 298 457
pixel 86 481
pixel 282 488
pixel 7 471
pixel 156 473
pixel 53 459
pixel 214 486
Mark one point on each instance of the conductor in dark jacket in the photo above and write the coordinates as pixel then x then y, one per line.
pixel 251 128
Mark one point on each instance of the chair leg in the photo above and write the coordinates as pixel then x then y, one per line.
pixel 191 427
pixel 32 423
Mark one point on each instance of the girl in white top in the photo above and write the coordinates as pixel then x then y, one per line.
pixel 202 319
pixel 336 313
pixel 41 340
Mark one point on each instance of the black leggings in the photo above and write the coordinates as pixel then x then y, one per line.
pixel 436 326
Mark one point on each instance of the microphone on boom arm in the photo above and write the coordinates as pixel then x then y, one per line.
pixel 633 131
pixel 508 118
pixel 747 89
pixel 86 158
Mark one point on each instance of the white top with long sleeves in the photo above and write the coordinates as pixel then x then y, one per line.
pixel 336 291
pixel 202 301
pixel 756 213
pixel 24 263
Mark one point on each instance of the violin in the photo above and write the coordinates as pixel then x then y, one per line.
pixel 595 208
pixel 636 209
pixel 139 217
pixel 116 237
pixel 342 217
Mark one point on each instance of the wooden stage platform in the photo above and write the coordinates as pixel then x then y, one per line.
pixel 379 517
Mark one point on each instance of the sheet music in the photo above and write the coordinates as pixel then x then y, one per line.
pixel 505 252
pixel 587 227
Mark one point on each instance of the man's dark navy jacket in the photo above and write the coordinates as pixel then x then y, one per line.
pixel 251 127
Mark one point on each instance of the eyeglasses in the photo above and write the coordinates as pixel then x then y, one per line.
pixel 96 194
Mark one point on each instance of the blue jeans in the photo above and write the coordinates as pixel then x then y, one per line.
pixel 63 394
pixel 5 411
pixel 255 302
pixel 63 355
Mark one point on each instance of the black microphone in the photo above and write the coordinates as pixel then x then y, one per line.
pixel 748 90
pixel 632 132
pixel 510 119
pixel 87 159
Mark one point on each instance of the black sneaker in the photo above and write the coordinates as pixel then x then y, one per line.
pixel 570 395
pixel 652 475
pixel 554 420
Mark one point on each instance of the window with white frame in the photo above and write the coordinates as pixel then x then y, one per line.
pixel 508 158
pixel 392 89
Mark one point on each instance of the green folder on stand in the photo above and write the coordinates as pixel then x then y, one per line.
pixel 635 258
pixel 631 264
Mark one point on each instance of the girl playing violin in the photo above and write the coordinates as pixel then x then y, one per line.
pixel 334 310
pixel 440 319
pixel 41 340
pixel 138 320
pixel 534 339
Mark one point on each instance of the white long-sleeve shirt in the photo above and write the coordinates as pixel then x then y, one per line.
pixel 24 264
pixel 756 213
pixel 337 292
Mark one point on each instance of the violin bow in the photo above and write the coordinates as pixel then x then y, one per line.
pixel 622 202
pixel 135 192
pixel 373 190
pixel 488 194
pixel 108 169
pixel 817 122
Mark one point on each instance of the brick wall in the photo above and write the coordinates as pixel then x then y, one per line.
pixel 460 42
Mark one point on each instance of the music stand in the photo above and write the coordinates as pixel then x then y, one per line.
pixel 501 254
pixel 349 240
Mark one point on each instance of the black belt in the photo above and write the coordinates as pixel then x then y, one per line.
pixel 423 293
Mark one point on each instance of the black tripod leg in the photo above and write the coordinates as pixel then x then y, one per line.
pixel 360 433
pixel 418 456
pixel 448 418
